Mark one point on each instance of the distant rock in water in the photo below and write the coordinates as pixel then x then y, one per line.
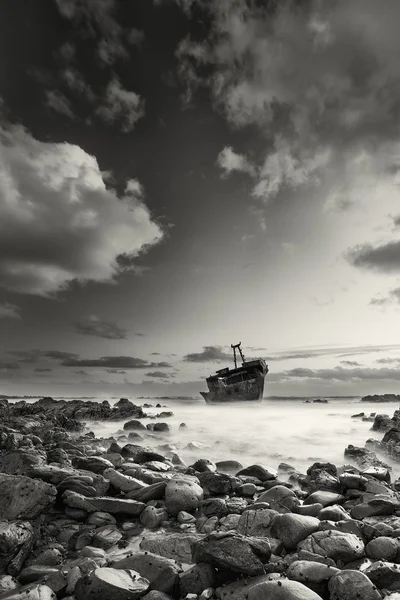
pixel 381 398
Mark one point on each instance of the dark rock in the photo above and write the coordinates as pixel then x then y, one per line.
pixel 197 579
pixel 134 424
pixel 262 472
pixel 203 465
pixel 229 466
pixel 292 529
pixel 385 575
pixel 280 498
pixel 103 504
pixel 161 572
pixel 24 498
pixel 347 585
pixel 233 552
pixel 175 545
pixel 334 544
pixel 182 494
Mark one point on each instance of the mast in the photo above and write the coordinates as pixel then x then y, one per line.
pixel 234 347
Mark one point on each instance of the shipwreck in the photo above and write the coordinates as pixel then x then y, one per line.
pixel 243 383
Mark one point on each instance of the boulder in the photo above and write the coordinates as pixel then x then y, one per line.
pixel 182 494
pixel 333 544
pixel 197 579
pixel 134 424
pixel 214 507
pixel 312 574
pixel 348 585
pixel 35 591
pixel 24 498
pixel 378 505
pixel 282 589
pixel 261 472
pixel 218 483
pixel 203 465
pixel 233 552
pixel 280 498
pixel 16 541
pixel 325 498
pixel 256 523
pixel 162 573
pixel 383 548
pixel 153 517
pixel 106 583
pixel 140 454
pixel 292 529
pixel 95 464
pixel 385 575
pixel 228 466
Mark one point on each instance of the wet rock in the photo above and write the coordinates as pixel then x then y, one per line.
pixel 197 579
pixel 385 575
pixel 233 552
pixel 383 548
pixel 256 523
pixel 24 498
pixel 123 483
pixel 134 424
pixel 175 545
pixel 333 513
pixel 106 583
pixel 100 519
pixel 34 573
pixel 310 510
pixel 247 490
pixel 214 507
pixel 162 427
pixel 203 465
pixel 292 529
pixel 51 557
pixel 155 491
pixel 155 595
pixel 218 483
pixel 347 585
pixel 105 537
pixel 103 504
pixel 325 498
pixel 153 517
pixel 16 541
pixel 382 473
pixel 161 572
pixel 139 454
pixel 229 466
pixel 182 494
pixel 334 544
pixel 379 505
pixel 95 464
pixel 261 472
pixel 280 498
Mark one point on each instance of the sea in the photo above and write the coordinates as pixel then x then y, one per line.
pixel 276 430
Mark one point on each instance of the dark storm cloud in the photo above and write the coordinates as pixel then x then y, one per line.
pixel 210 353
pixel 97 20
pixel 350 363
pixel 42 370
pixel 104 329
pixel 396 221
pixel 113 362
pixel 159 374
pixel 384 258
pixel 9 366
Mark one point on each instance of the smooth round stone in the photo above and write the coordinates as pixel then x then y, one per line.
pixel 246 490
pixel 324 498
pixel 292 529
pixel 348 585
pixel 283 589
pixel 383 548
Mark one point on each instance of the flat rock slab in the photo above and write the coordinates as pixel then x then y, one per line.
pixel 113 506
pixel 24 498
pixel 162 573
pixel 175 545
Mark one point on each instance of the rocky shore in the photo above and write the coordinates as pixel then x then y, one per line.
pixel 125 518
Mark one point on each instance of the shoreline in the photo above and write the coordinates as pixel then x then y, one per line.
pixel 80 515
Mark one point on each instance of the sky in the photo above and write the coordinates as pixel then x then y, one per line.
pixel 180 175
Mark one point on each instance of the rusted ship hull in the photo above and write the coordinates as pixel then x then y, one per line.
pixel 243 384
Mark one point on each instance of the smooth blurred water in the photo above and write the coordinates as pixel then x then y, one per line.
pixel 269 432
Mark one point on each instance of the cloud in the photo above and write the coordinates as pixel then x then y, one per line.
pixel 82 373
pixel 75 81
pixel 31 356
pixel 350 363
pixel 140 334
pixel 113 362
pixel 94 19
pixel 388 360
pixel 285 71
pixel 9 366
pixel 58 221
pixel 121 105
pixel 159 374
pixel 340 374
pixel 384 258
pixel 92 325
pixel 59 103
pixel 209 354
pixel 42 370
pixel 9 311
pixel 230 161
pixel 67 51
pixel 116 371
pixel 394 297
